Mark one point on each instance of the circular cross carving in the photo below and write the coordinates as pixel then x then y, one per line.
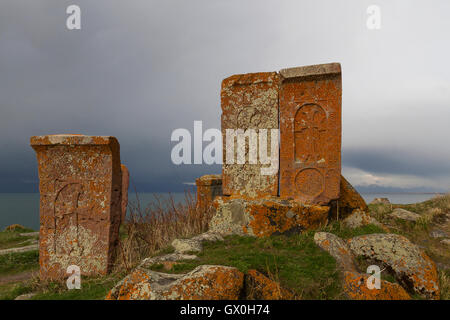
pixel 309 182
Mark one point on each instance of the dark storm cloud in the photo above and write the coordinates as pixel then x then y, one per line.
pixel 389 161
pixel 139 69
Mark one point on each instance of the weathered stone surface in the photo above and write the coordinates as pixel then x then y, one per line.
pixel 171 257
pixel 208 188
pixel 310 128
pixel 260 287
pixel 403 214
pixel 410 265
pixel 26 296
pixel 355 287
pixel 19 249
pixel 380 201
pixel 208 236
pixel 203 283
pixel 438 234
pixel 125 186
pixel 349 200
pixel 249 101
pixel 337 248
pixel 359 219
pixel 80 203
pixel 187 245
pixel 264 217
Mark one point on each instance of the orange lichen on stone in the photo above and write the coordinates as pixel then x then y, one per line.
pixel 249 101
pixel 209 283
pixel 356 288
pixel 260 287
pixel 310 129
pixel 274 217
pixel 409 264
pixel 208 188
pixel 264 217
pixel 349 200
pixel 80 187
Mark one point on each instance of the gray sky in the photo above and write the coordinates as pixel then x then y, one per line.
pixel 138 70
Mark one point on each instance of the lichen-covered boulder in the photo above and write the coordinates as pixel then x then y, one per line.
pixel 265 217
pixel 171 257
pixel 356 288
pixel 360 218
pixel 260 287
pixel 187 245
pixel 337 248
pixel 409 264
pixel 403 214
pixel 203 283
pixel 350 199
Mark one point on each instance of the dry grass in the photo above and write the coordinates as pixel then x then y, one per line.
pixel 444 279
pixel 151 229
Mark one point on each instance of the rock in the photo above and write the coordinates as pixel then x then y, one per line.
pixel 260 287
pixel 438 234
pixel 355 287
pixel 380 201
pixel 249 101
pixel 265 217
pixel 208 236
pixel 403 214
pixel 30 234
pixel 80 185
pixel 187 245
pixel 446 242
pixel 349 201
pixel 172 257
pixel 360 218
pixel 26 296
pixel 410 265
pixel 310 133
pixel 208 188
pixel 337 248
pixel 203 283
pixel 20 249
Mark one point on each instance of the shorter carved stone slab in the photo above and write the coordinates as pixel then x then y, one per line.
pixel 80 184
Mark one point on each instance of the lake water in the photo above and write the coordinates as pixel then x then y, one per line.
pixel 23 208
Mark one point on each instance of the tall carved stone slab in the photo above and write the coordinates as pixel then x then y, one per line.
pixel 310 129
pixel 249 101
pixel 80 203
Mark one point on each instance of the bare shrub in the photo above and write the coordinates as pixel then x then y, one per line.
pixel 151 229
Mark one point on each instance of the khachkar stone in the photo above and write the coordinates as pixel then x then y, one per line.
pixel 80 183
pixel 249 101
pixel 310 129
pixel 125 186
pixel 208 188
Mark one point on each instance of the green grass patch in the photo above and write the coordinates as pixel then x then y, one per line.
pixel 341 231
pixel 13 263
pixel 295 261
pixel 12 239
pixel 10 291
pixel 91 289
